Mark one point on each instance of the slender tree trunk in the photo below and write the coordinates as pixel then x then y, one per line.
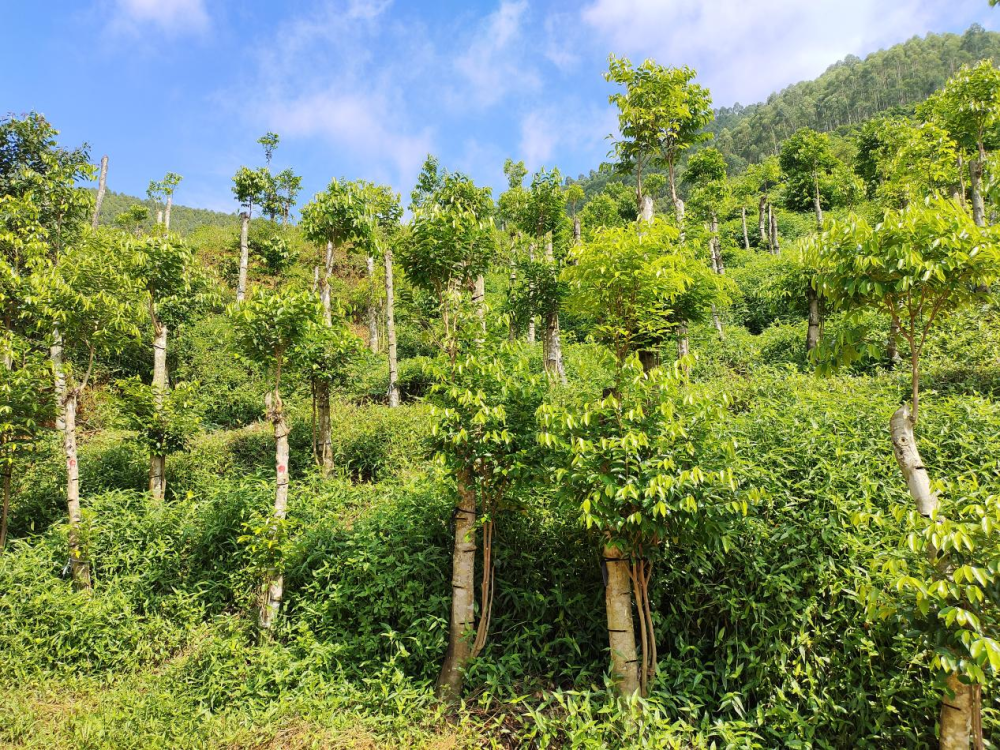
pixel 449 682
pixel 976 189
pixel 621 630
pixel 892 346
pixel 59 374
pixel 101 188
pixel 390 330
pixel 812 333
pixel 762 220
pixel 372 316
pixel 275 582
pixel 166 216
pixel 576 230
pixel 315 287
pixel 159 217
pixel 961 181
pixel 775 246
pixel 646 209
pixel 325 432
pixel 324 284
pixel 5 512
pixel 241 285
pixel 816 202
pixel 79 565
pixel 683 347
pixel 479 304
pixel 715 250
pixel 746 236
pixel 158 462
pixel 531 318
pixel 552 345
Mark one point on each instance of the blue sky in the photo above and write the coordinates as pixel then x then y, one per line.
pixel 366 88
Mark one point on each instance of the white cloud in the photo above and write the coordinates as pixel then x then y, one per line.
pixel 172 16
pixel 367 8
pixel 744 49
pixel 493 64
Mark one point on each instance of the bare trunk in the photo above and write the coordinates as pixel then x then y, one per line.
pixel 102 184
pixel 816 202
pixel 649 359
pixel 315 287
pixel 576 230
pixel 79 565
pixel 892 346
pixel 56 356
pixel 325 447
pixel 275 583
pixel 372 316
pixel 552 345
pixel 241 285
pixel 746 236
pixel 479 304
pixel 159 217
pixel 762 220
pixel 683 348
pixel 531 318
pixel 956 716
pixel 812 333
pixel 976 190
pixel 324 284
pixel 715 247
pixel 166 216
pixel 775 246
pixel 5 512
pixel 717 322
pixel 390 330
pixel 646 209
pixel 158 462
pixel 621 630
pixel 904 445
pixel 449 682
pixel 961 181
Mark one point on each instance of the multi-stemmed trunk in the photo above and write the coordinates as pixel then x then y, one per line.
pixel 746 236
pixel 812 333
pixel 158 461
pixel 449 682
pixel 390 331
pixel 102 185
pixel 274 582
pixel 79 565
pixel 621 630
pixel 241 284
pixel 552 346
pixel 817 207
pixel 372 315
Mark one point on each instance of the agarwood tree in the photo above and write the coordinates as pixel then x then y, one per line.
pixel 269 327
pixel 806 158
pixel 250 187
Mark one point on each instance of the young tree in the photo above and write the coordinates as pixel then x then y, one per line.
pixel 288 186
pixel 967 108
pixel 574 195
pixel 805 159
pixel 916 266
pixel 168 185
pixel 485 433
pixel 759 180
pixel 706 178
pixel 512 207
pixel 249 186
pixel 661 114
pixel 269 328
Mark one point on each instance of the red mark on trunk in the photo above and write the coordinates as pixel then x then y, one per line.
pixel 281 468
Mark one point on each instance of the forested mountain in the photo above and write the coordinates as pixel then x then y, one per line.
pixel 849 92
pixel 183 219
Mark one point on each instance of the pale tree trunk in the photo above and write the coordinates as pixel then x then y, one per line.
pixel 166 216
pixel 975 186
pixel 79 565
pixel 101 188
pixel 479 304
pixel 372 317
pixel 746 236
pixel 449 682
pixel 241 285
pixel 715 250
pixel 158 463
pixel 576 230
pixel 683 347
pixel 159 217
pixel 646 209
pixel 812 333
pixel 512 322
pixel 275 582
pixel 324 284
pixel 325 448
pixel 621 630
pixel 390 330
pixel 957 710
pixel 816 202
pixel 961 181
pixel 552 345
pixel 762 219
pixel 892 346
pixel 775 246
pixel 315 279
pixel 531 318
pixel 56 356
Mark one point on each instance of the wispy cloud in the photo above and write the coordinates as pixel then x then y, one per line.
pixel 551 133
pixel 171 16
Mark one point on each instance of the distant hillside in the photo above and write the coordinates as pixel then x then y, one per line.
pixel 850 92
pixel 183 219
pixel 845 95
